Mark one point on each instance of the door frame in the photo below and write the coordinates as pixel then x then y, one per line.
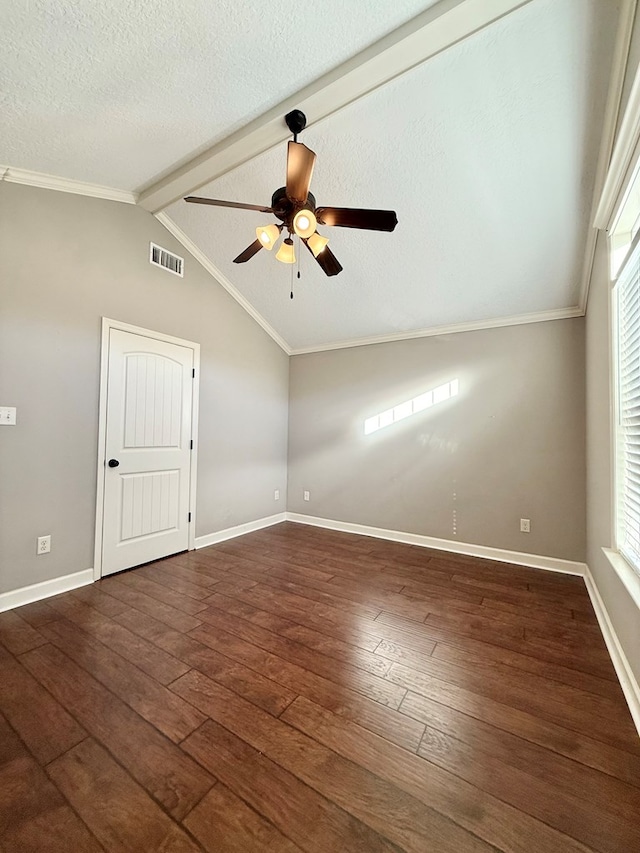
pixel 107 325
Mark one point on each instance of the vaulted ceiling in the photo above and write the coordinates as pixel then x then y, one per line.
pixel 481 122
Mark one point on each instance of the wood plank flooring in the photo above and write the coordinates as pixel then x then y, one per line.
pixel 300 689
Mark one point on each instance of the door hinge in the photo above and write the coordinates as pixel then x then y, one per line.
pixel 191 448
pixel 189 519
pixel 193 373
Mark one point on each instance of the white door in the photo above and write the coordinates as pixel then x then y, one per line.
pixel 148 450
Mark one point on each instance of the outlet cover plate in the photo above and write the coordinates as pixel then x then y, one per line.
pixel 44 544
pixel 8 415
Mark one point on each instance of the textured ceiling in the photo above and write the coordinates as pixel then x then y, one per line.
pixel 487 151
pixel 117 93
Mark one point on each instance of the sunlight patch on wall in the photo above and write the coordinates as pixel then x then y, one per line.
pixel 411 407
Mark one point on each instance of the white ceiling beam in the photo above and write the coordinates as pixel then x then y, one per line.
pixel 429 33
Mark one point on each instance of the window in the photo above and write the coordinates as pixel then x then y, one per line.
pixel 626 227
pixel 627 333
pixel 618 213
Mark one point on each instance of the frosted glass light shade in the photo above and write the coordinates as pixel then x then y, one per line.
pixel 317 243
pixel 267 234
pixel 286 253
pixel 304 223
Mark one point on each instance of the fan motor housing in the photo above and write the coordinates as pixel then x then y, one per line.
pixel 285 209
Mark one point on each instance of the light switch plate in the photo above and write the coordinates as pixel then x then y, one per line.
pixel 8 415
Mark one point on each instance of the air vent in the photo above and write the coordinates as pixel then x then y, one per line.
pixel 162 258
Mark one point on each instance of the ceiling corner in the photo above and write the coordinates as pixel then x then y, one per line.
pixel 205 262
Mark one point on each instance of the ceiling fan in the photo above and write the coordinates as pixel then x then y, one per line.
pixel 296 209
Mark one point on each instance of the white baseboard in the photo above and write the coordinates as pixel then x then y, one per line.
pixel 36 591
pixel 550 564
pixel 627 679
pixel 239 530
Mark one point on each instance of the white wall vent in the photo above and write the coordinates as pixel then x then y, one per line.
pixel 167 260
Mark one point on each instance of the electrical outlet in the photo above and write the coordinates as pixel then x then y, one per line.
pixel 8 415
pixel 276 495
pixel 525 525
pixel 305 495
pixel 44 544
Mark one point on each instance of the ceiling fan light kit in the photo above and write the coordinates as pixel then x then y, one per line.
pixel 304 223
pixel 296 209
pixel 286 252
pixel 268 235
pixel 317 243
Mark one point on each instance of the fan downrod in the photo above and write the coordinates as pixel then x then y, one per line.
pixel 296 122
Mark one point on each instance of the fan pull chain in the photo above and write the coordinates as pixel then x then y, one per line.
pixel 291 294
pixel 298 275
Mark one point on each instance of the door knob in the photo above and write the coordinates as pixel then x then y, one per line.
pixel 113 463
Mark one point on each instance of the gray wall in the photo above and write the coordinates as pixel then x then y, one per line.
pixel 510 445
pixel 620 606
pixel 65 262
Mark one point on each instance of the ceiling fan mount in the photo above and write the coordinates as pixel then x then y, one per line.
pixel 296 209
pixel 296 122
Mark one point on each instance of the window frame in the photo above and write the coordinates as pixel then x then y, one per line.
pixel 627 572
pixel 632 258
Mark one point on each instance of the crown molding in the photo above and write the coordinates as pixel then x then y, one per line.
pixel 429 33
pixel 624 152
pixel 451 329
pixel 221 278
pixel 65 185
pixel 607 140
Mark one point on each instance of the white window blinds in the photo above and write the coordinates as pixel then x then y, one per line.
pixel 628 437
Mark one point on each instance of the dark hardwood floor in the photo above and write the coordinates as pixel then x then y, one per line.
pixel 301 689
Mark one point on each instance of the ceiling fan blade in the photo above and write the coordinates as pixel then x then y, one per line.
pixel 327 260
pixel 194 199
pixel 353 217
pixel 248 253
pixel 300 163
